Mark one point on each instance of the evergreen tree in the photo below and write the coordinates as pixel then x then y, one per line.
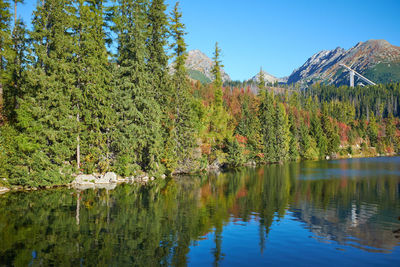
pixel 17 61
pixel 282 133
pixel 216 71
pixel 138 131
pixel 93 78
pixel 261 80
pixel 46 117
pixel 332 134
pixel 5 45
pixel 318 134
pixel 372 130
pixel 183 135
pixel 266 115
pixel 157 59
pixel 294 146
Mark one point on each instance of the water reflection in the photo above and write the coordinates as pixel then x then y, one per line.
pixel 161 223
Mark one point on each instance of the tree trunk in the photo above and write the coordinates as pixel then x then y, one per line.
pixel 78 149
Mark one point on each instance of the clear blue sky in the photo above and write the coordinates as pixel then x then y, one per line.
pixel 279 35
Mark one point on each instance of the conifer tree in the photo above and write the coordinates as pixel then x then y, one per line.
pixel 138 139
pixel 216 71
pixel 267 119
pixel 294 146
pixel 332 134
pixel 5 45
pixel 261 80
pixel 282 133
pixel 184 123
pixel 93 78
pixel 46 117
pixel 218 120
pixel 372 130
pixel 319 135
pixel 16 64
pixel 157 62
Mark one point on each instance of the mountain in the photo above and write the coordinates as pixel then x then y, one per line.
pixel 199 67
pixel 267 77
pixel 377 60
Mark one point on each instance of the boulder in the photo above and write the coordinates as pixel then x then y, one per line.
pixel 111 176
pixel 84 179
pixel 4 190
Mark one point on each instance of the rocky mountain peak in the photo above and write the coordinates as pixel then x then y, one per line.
pixel 267 77
pixel 198 61
pixel 325 66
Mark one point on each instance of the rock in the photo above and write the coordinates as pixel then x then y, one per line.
pixel 4 190
pixel 111 176
pixel 215 165
pixel 84 179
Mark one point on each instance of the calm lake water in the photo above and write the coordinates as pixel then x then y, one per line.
pixel 328 213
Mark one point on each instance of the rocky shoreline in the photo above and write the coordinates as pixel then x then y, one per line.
pixel 110 180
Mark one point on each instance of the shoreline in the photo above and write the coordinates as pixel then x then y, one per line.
pixel 144 180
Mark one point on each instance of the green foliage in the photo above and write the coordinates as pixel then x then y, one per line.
pixel 372 130
pixel 138 133
pixel 282 133
pixel 267 121
pixel 199 76
pixel 384 72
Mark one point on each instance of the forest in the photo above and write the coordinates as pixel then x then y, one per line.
pixel 96 86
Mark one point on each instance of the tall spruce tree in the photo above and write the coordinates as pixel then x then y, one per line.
pixel 13 90
pixel 157 61
pixel 184 132
pixel 5 46
pixel 138 142
pixel 46 117
pixel 261 80
pixel 372 130
pixel 93 78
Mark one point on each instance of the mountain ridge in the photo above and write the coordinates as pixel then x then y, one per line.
pixel 324 66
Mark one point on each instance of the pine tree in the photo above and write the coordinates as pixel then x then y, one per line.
pixel 372 130
pixel 318 134
pixel 261 80
pixel 93 78
pixel 5 47
pixel 282 133
pixel 184 124
pixel 266 115
pixel 332 134
pixel 45 117
pixel 216 71
pixel 138 131
pixel 294 146
pixel 157 62
pixel 17 60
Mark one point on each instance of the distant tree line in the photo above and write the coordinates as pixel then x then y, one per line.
pixel 71 105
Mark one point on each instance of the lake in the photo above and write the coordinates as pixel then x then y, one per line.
pixel 330 213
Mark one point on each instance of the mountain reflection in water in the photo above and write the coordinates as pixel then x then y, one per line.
pixel 265 212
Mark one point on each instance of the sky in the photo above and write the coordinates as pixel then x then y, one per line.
pixel 278 35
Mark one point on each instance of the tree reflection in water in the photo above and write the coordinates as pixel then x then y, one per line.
pixel 157 224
